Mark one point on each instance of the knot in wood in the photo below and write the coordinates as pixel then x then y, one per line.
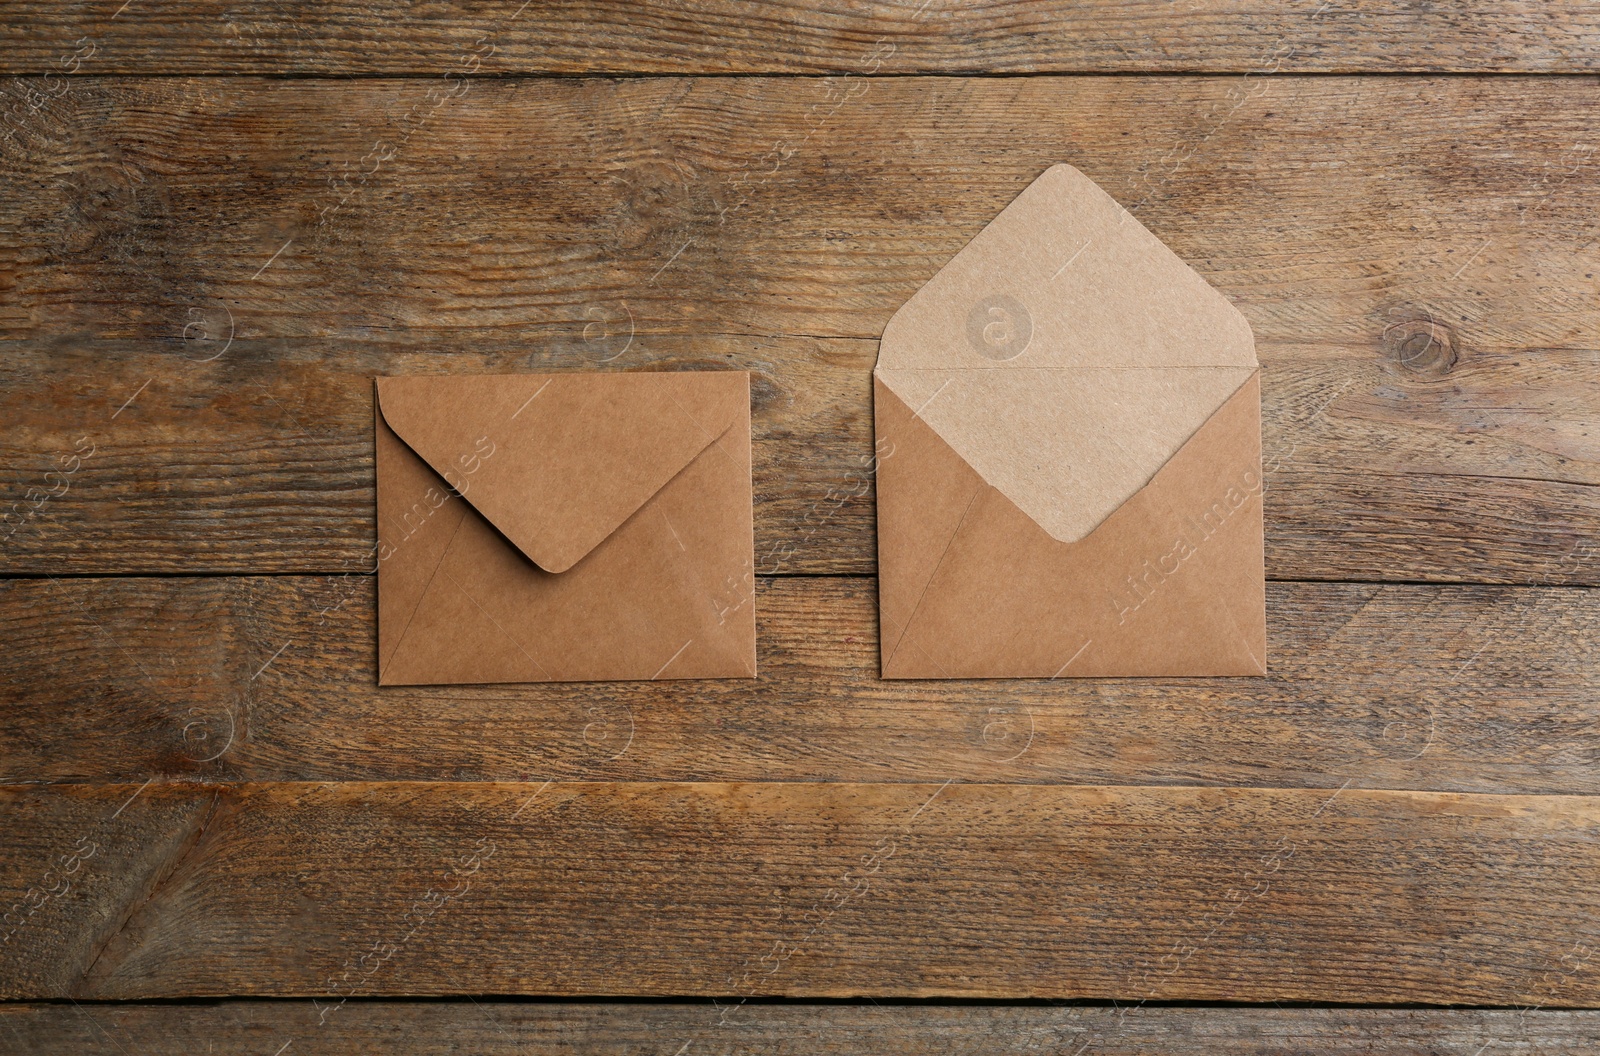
pixel 1421 344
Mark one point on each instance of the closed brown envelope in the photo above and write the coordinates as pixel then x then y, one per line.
pixel 564 527
pixel 1069 445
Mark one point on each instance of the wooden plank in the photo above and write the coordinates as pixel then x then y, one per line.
pixel 272 678
pixel 1430 384
pixel 507 1028
pixel 262 461
pixel 782 210
pixel 808 36
pixel 77 870
pixel 785 889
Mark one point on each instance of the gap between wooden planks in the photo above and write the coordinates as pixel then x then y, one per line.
pixel 1473 689
pixel 1325 207
pixel 511 1028
pixel 204 310
pixel 262 461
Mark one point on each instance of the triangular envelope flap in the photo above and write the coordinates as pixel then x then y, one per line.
pixel 1065 277
pixel 1088 441
pixel 556 462
pixel 1066 353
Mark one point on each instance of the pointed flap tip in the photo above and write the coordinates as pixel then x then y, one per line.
pixel 557 462
pixel 1064 276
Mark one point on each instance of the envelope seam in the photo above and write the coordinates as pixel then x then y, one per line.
pixel 1227 610
pixel 1251 373
pixel 422 594
pixel 714 442
pixel 925 655
pixel 976 491
pixel 716 438
pixel 1244 638
pixel 650 504
pixel 712 439
pixel 466 594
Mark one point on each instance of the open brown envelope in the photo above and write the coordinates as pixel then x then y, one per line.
pixel 1069 444
pixel 564 527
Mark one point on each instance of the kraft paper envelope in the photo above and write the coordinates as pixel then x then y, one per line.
pixel 1069 457
pixel 564 527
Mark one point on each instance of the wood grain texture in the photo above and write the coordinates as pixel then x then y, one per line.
pixel 262 459
pixel 1422 302
pixel 509 1028
pixel 767 206
pixel 272 678
pixel 801 36
pixel 818 889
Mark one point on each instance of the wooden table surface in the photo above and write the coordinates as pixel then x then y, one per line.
pixel 218 222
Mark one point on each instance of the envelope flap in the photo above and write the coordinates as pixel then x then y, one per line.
pixel 1068 447
pixel 1066 277
pixel 556 462
pixel 1066 353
